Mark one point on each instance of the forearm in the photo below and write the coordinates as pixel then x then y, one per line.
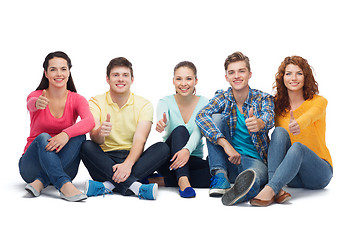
pixel 135 153
pixel 96 137
pixel 223 142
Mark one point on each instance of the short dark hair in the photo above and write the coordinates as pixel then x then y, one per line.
pixel 235 57
pixel 119 62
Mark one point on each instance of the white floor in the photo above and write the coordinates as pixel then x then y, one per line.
pixel 309 214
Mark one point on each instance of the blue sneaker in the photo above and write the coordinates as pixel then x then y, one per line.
pixel 242 189
pixel 93 188
pixel 148 191
pixel 219 185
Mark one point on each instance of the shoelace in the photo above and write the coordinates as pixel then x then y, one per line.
pixel 215 181
pixel 142 192
pixel 104 190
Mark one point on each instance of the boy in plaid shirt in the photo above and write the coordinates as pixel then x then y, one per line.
pixel 236 124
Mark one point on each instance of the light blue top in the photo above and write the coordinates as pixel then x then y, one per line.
pixel 169 106
pixel 241 140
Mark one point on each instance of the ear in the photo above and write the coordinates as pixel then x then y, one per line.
pixel 196 81
pixel 45 74
pixel 132 80
pixel 107 79
pixel 250 74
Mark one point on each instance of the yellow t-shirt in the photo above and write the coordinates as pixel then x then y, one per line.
pixel 124 120
pixel 311 117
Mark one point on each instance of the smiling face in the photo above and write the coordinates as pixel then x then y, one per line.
pixel 238 75
pixel 120 80
pixel 184 81
pixel 294 78
pixel 57 72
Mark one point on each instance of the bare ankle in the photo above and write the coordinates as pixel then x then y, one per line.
pixel 183 183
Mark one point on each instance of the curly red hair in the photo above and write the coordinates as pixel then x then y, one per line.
pixel 282 103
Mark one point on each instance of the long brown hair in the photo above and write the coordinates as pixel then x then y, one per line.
pixel 310 88
pixel 44 84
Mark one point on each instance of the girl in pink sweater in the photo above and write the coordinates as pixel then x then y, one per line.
pixel 51 155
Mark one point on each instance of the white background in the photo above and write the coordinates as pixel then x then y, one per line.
pixel 155 36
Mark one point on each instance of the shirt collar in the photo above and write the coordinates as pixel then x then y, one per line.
pixel 129 102
pixel 229 95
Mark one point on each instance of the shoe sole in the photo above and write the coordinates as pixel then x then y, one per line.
pixel 218 192
pixel 154 192
pixel 242 186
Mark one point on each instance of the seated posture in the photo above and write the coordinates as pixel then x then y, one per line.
pixel 236 124
pixel 298 156
pixel 115 156
pixel 177 113
pixel 51 155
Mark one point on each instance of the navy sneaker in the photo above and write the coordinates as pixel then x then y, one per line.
pixel 219 185
pixel 148 191
pixel 93 188
pixel 242 189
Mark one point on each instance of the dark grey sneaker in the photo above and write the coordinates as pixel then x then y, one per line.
pixel 243 185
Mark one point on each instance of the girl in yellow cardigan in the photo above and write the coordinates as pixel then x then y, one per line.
pixel 297 156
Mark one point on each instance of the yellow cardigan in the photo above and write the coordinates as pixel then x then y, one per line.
pixel 311 117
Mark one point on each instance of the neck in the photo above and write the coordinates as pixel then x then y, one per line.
pixel 121 98
pixel 184 100
pixel 295 99
pixel 240 95
pixel 57 92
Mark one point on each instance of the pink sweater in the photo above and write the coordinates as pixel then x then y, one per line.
pixel 42 121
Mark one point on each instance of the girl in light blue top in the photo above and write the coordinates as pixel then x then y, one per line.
pixel 176 114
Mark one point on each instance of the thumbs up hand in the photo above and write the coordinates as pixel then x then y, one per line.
pixel 161 124
pixel 254 124
pixel 294 127
pixel 106 127
pixel 42 101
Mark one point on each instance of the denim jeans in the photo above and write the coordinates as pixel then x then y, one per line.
pixel 295 164
pixel 51 167
pixel 218 159
pixel 196 169
pixel 100 163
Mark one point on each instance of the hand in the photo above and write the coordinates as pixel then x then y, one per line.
pixel 254 124
pixel 160 125
pixel 106 127
pixel 57 142
pixel 121 172
pixel 234 156
pixel 42 101
pixel 294 127
pixel 180 159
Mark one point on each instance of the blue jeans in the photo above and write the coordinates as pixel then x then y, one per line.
pixel 218 159
pixel 100 163
pixel 51 167
pixel 295 165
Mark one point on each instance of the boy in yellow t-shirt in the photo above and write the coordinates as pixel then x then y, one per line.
pixel 115 156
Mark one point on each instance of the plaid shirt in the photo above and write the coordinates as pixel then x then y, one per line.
pixel 224 103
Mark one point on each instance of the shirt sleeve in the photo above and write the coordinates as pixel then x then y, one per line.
pixel 147 112
pixel 314 113
pixel 162 107
pixel 32 99
pixel 204 118
pixel 267 110
pixel 87 121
